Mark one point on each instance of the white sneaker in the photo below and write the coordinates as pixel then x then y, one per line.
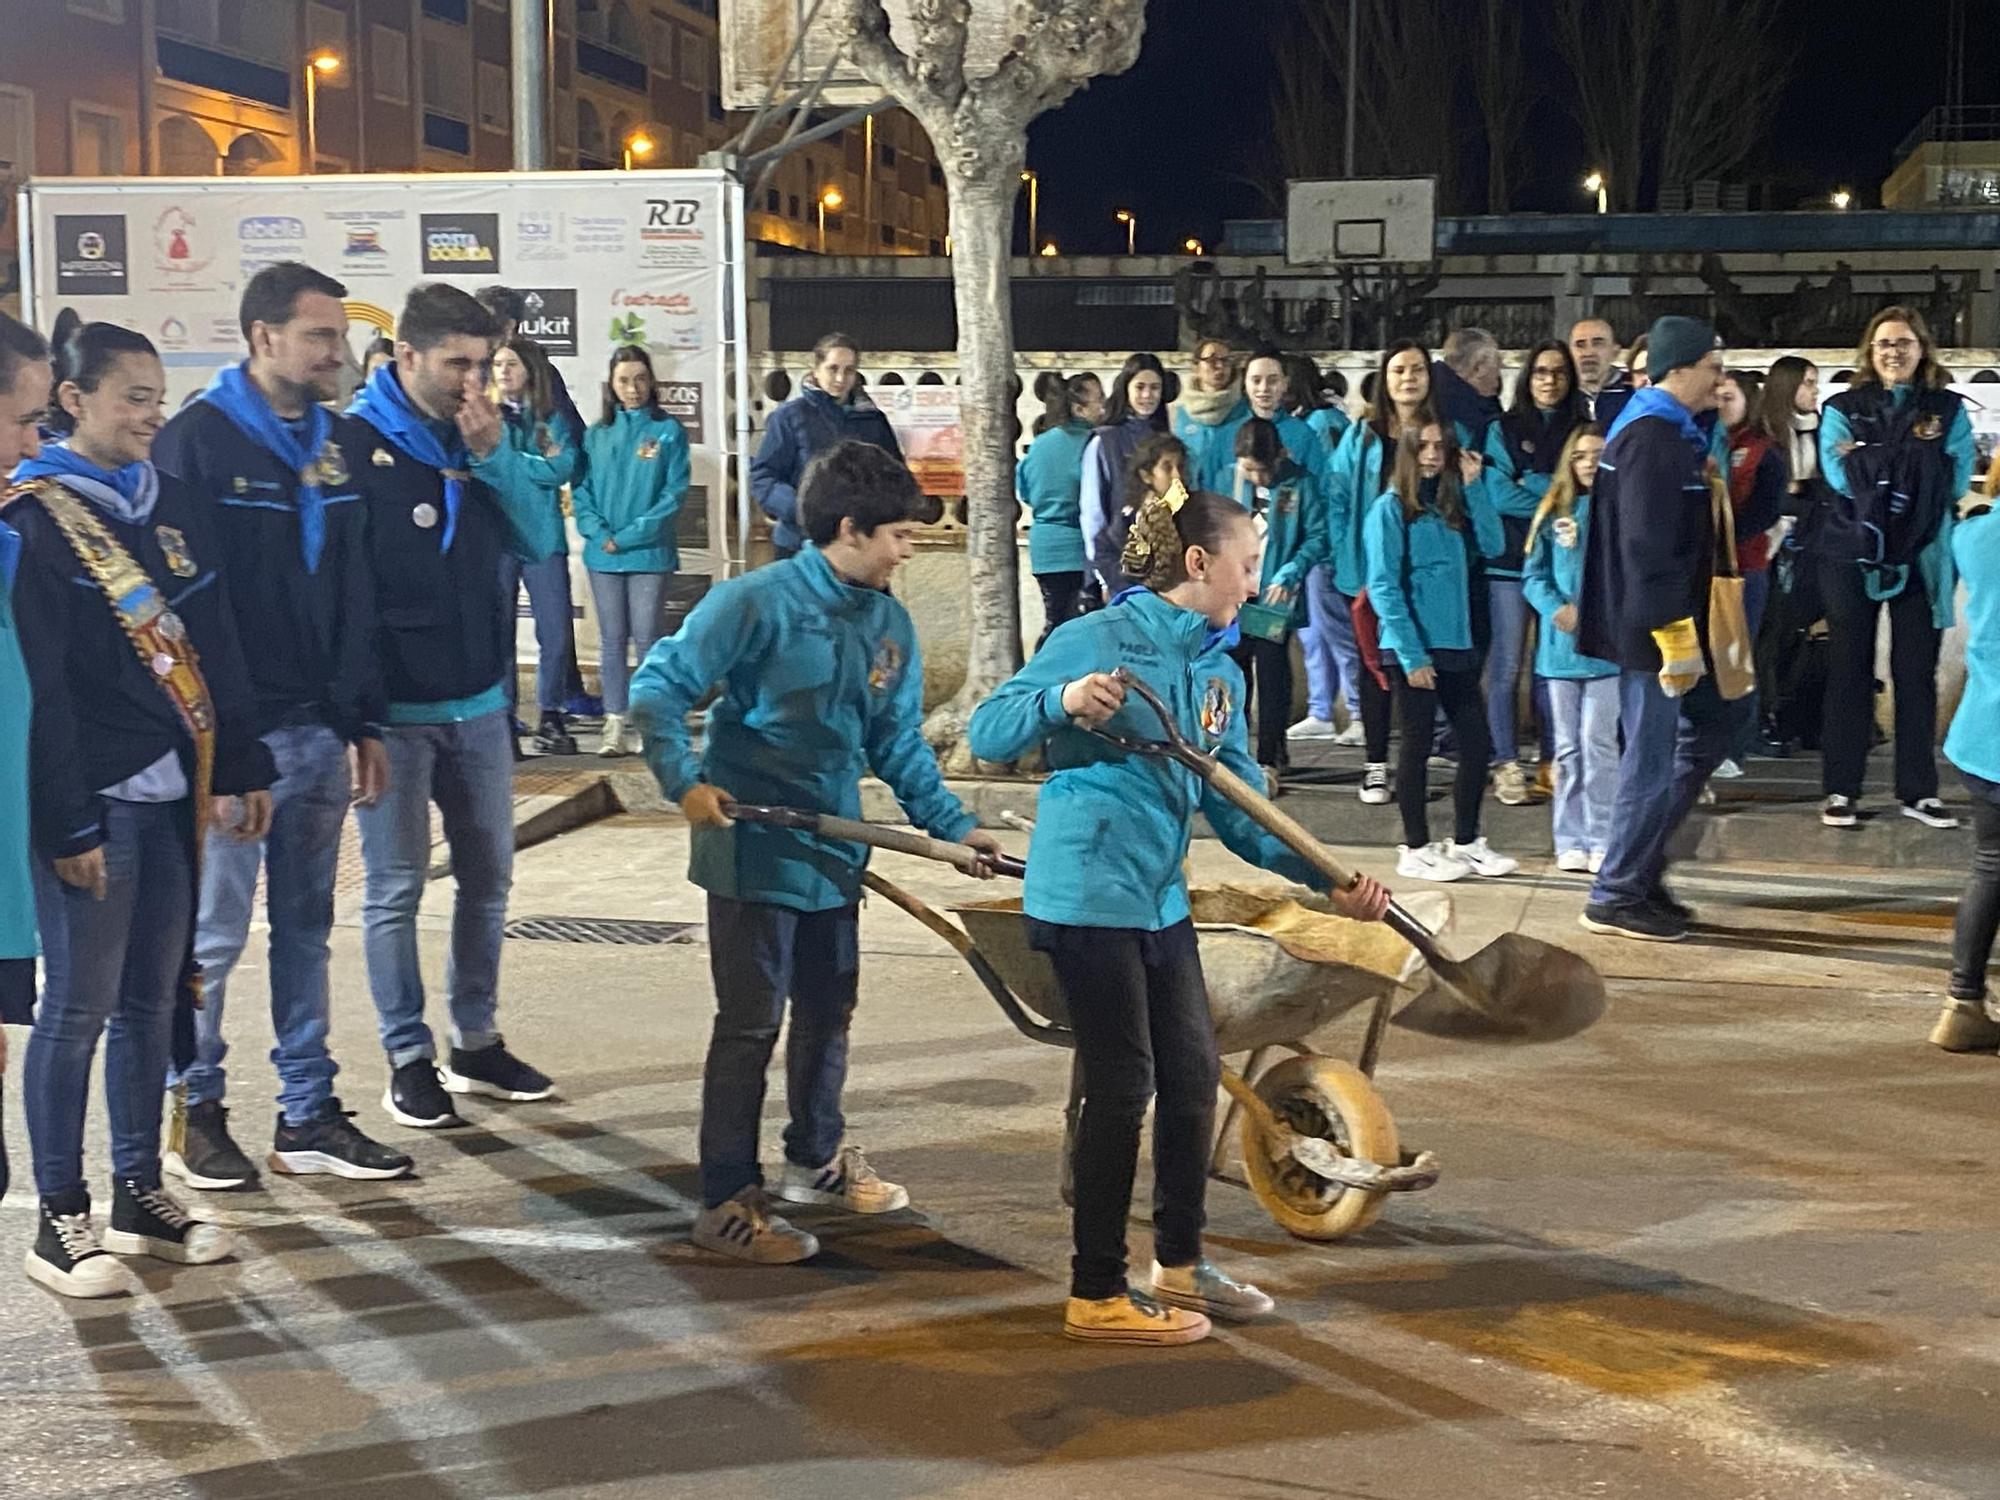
pixel 1204 1288
pixel 1479 857
pixel 1840 812
pixel 744 1228
pixel 1353 736
pixel 1573 861
pixel 1510 785
pixel 1374 785
pixel 1596 861
pixel 614 736
pixel 845 1182
pixel 1133 1318
pixel 1429 862
pixel 1931 813
pixel 1311 728
pixel 1729 770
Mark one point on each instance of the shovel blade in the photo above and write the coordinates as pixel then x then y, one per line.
pixel 1515 989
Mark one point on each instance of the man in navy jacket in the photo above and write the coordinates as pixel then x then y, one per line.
pixel 829 408
pixel 1645 606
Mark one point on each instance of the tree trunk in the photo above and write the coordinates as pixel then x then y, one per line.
pixel 982 220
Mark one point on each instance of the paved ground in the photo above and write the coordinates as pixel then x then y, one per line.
pixel 1736 1242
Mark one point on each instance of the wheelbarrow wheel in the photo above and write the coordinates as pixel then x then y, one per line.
pixel 1333 1100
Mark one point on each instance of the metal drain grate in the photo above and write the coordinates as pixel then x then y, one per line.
pixel 616 930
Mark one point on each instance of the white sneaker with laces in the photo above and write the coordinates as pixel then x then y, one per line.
pixel 1204 1288
pixel 744 1228
pixel 613 742
pixel 1930 812
pixel 1480 858
pixel 1573 861
pixel 1353 736
pixel 1729 770
pixel 1429 862
pixel 1311 727
pixel 1374 785
pixel 848 1182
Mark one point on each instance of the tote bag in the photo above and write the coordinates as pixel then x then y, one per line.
pixel 1732 653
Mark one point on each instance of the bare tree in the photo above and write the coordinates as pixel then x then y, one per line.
pixel 1729 69
pixel 1498 79
pixel 1308 91
pixel 1613 53
pixel 979 127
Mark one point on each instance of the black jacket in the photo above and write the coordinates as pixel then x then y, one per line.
pixel 1651 545
pixel 309 637
pixel 445 624
pixel 100 715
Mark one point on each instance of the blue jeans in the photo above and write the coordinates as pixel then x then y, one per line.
pixel 1333 660
pixel 110 967
pixel 1584 717
pixel 1511 613
pixel 468 770
pixel 299 857
pixel 761 955
pixel 1671 746
pixel 628 614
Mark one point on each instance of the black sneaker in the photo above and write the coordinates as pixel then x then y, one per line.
pixel 552 737
pixel 1664 900
pixel 1646 922
pixel 416 1097
pixel 1840 812
pixel 496 1073
pixel 67 1257
pixel 208 1157
pixel 330 1145
pixel 145 1221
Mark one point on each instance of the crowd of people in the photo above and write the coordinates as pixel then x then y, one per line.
pixel 218 632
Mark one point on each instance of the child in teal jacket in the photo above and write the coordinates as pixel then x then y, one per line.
pixel 1049 481
pixel 820 681
pixel 636 462
pixel 1106 900
pixel 1286 502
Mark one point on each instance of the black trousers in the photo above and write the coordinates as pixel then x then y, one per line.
pixel 1139 1008
pixel 1376 705
pixel 1851 619
pixel 1267 676
pixel 1062 600
pixel 1979 904
pixel 1463 700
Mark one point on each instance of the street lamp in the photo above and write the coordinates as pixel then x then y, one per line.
pixel 638 146
pixel 1841 198
pixel 1130 220
pixel 1194 246
pixel 1596 183
pixel 322 61
pixel 830 199
pixel 1049 251
pixel 1034 182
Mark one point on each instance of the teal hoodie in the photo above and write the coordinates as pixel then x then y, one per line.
pixel 18 940
pixel 821 681
pixel 1111 829
pixel 1551 577
pixel 636 476
pixel 1419 580
pixel 1049 481
pixel 1354 478
pixel 534 461
pixel 1295 534
pixel 1972 745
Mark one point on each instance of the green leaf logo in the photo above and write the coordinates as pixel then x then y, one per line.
pixel 630 329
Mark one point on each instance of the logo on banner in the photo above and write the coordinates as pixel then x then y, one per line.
pixel 178 255
pixel 669 319
pixel 538 235
pixel 550 318
pixel 90 255
pixel 461 244
pixel 365 245
pixel 671 235
pixel 173 334
pixel 267 239
pixel 682 400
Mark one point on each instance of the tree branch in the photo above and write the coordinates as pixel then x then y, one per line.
pixel 1057 47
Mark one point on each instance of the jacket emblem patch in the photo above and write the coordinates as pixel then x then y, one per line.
pixel 382 458
pixel 649 450
pixel 1217 704
pixel 176 548
pixel 888 662
pixel 330 467
pixel 1928 427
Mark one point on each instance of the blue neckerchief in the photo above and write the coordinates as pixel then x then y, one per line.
pixel 1652 401
pixel 1225 636
pixel 384 405
pixel 128 493
pixel 235 395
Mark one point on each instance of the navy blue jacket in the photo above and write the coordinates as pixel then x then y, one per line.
pixel 312 634
pixel 804 427
pixel 1458 402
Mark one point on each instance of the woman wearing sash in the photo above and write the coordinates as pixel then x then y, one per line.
pixel 140 717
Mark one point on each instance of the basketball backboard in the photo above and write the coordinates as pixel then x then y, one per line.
pixel 1377 219
pixel 758 61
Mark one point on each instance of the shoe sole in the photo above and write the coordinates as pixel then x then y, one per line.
pixel 816 1199
pixel 458 1083
pixel 1189 1302
pixel 742 1253
pixel 1403 874
pixel 1607 929
pixel 174 1162
pixel 1137 1336
pixel 1840 822
pixel 442 1122
pixel 1943 825
pixel 123 1242
pixel 323 1164
pixel 66 1284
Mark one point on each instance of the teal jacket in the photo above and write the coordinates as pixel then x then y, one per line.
pixel 1330 422
pixel 1050 483
pixel 820 681
pixel 531 465
pixel 1551 577
pixel 1295 536
pixel 17 895
pixel 1935 565
pixel 1419 581
pixel 1972 744
pixel 1212 445
pixel 1111 829
pixel 1355 477
pixel 636 476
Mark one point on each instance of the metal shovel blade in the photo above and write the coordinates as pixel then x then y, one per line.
pixel 1515 989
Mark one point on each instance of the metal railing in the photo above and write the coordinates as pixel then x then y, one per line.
pixel 1945 123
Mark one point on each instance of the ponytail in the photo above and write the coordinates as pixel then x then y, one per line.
pixel 1166 526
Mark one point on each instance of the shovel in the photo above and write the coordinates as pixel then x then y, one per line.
pixel 1515 989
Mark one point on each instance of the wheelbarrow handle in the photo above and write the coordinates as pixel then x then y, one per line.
pixel 879 836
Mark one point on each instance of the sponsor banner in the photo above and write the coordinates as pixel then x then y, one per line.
pixel 90 255
pixel 682 400
pixel 927 425
pixel 461 244
pixel 367 243
pixel 673 234
pixel 266 239
pixel 550 318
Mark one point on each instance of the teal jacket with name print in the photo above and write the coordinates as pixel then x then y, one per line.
pixel 635 478
pixel 1112 828
pixel 821 681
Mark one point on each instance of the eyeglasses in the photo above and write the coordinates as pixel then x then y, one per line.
pixel 1896 346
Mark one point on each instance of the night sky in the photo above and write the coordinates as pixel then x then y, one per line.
pixel 1173 137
